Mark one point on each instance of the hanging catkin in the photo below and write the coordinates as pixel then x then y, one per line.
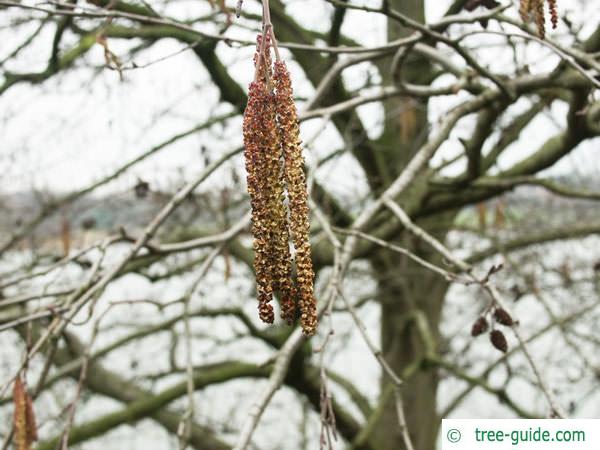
pixel 534 9
pixel 279 255
pixel 553 13
pixel 256 172
pixel 25 429
pixel 274 166
pixel 540 17
pixel 297 195
pixel 525 10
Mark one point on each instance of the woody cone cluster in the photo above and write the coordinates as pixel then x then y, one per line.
pixel 275 172
pixel 499 316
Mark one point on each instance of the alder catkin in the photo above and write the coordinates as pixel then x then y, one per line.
pixel 274 165
pixel 540 17
pixel 297 195
pixel 262 60
pixel 19 417
pixel 32 434
pixel 256 176
pixel 25 429
pixel 272 259
pixel 525 10
pixel 535 8
pixel 279 256
pixel 552 5
pixel 256 172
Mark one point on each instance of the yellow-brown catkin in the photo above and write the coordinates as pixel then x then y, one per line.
pixel 32 434
pixel 297 194
pixel 264 167
pixel 525 10
pixel 279 256
pixel 540 17
pixel 25 429
pixel 553 13
pixel 256 175
pixel 264 72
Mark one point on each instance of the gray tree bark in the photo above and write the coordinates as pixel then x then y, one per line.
pixel 404 287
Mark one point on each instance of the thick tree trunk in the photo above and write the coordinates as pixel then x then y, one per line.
pixel 404 290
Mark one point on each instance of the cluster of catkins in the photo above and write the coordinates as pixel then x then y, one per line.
pixel 535 9
pixel 500 316
pixel 275 171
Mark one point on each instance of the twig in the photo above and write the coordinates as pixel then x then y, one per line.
pixel 188 417
pixel 238 8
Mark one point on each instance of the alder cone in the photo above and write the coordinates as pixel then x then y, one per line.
pixel 498 340
pixel 479 327
pixel 503 317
